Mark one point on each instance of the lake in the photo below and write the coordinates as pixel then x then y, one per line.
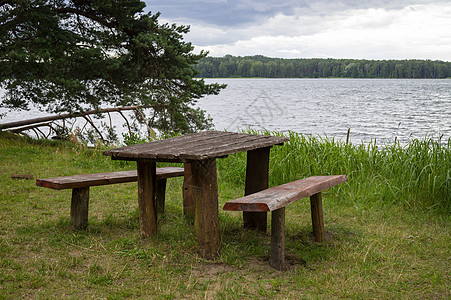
pixel 381 109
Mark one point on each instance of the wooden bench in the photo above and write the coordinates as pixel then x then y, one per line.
pixel 80 188
pixel 276 198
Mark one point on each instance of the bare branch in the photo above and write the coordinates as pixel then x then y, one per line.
pixel 66 116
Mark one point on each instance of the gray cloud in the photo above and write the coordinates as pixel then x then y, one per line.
pixel 384 29
pixel 236 13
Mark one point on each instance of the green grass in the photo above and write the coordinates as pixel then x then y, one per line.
pixel 388 228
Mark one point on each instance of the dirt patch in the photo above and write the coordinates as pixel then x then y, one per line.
pixel 211 269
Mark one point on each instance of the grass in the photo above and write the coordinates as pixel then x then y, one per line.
pixel 388 229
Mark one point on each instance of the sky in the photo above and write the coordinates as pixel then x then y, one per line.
pixel 359 29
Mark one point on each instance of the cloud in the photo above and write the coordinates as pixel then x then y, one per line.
pixel 236 13
pixel 337 29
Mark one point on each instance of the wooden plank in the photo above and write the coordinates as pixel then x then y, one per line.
pixel 206 222
pixel 277 258
pixel 97 179
pixel 220 143
pixel 262 142
pixel 169 172
pixel 194 143
pixel 209 144
pixel 257 179
pixel 147 198
pixel 163 149
pixel 280 196
pixel 21 176
pixel 79 207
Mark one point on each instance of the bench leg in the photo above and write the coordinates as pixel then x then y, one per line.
pixel 161 194
pixel 147 198
pixel 257 179
pixel 79 207
pixel 316 206
pixel 277 260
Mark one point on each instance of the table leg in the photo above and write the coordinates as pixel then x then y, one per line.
pixel 206 222
pixel 257 178
pixel 147 198
pixel 189 205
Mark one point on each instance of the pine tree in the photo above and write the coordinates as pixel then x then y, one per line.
pixel 73 55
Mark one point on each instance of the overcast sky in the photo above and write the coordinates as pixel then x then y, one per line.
pixel 361 29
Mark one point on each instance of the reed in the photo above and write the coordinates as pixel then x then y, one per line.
pixel 416 175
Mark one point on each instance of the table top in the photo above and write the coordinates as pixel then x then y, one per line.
pixel 196 146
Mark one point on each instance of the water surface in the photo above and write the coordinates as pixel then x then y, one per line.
pixel 381 109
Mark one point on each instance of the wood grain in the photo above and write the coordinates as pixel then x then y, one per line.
pixel 282 195
pixel 277 258
pixel 97 179
pixel 196 146
pixel 147 198
pixel 316 205
pixel 79 208
pixel 206 222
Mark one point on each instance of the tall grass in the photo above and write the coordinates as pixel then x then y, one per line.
pixel 416 175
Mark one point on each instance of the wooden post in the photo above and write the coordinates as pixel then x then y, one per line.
pixel 257 172
pixel 147 198
pixel 206 222
pixel 79 207
pixel 161 194
pixel 316 206
pixel 277 260
pixel 189 205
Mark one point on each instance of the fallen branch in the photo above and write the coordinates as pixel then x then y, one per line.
pixel 66 116
pixel 18 130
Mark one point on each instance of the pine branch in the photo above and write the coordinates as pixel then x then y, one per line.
pixel 4 2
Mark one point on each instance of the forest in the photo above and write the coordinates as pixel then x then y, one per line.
pixel 266 67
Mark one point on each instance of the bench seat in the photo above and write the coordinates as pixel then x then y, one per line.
pixel 80 185
pixel 96 179
pixel 275 199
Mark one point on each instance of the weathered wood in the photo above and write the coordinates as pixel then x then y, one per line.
pixel 147 198
pixel 81 183
pixel 79 207
pixel 280 196
pixel 189 203
pixel 21 176
pixel 97 179
pixel 198 146
pixel 275 199
pixel 199 152
pixel 161 194
pixel 67 116
pixel 206 222
pixel 277 259
pixel 316 206
pixel 257 179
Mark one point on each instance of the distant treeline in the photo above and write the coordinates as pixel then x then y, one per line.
pixel 261 66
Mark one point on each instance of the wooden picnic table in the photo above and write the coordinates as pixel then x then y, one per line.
pixel 198 152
